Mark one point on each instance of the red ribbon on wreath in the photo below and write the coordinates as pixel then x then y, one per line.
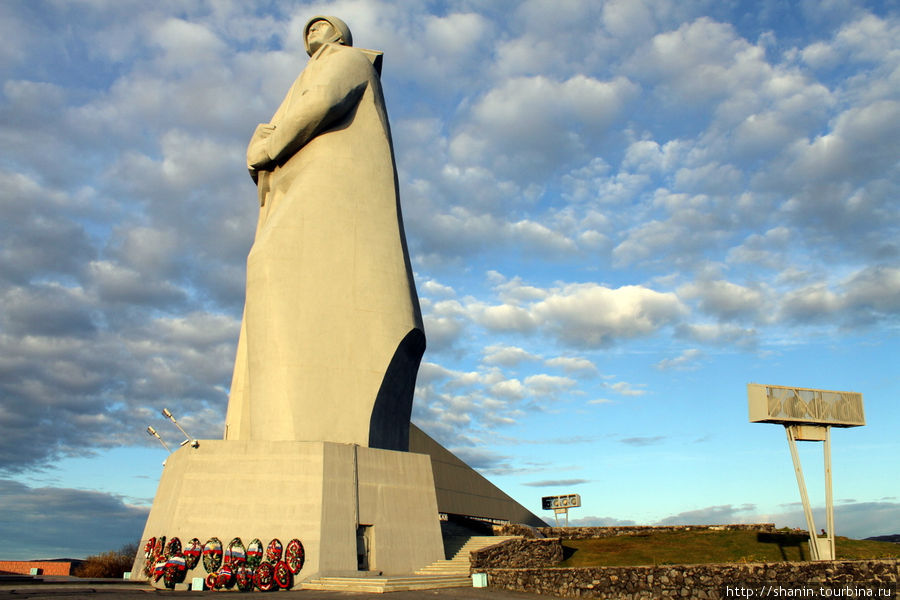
pixel 174 570
pixel 235 554
pixel 148 547
pixel 283 576
pixel 159 549
pixel 254 553
pixel 212 555
pixel 244 578
pixel 173 547
pixel 264 578
pixel 225 578
pixel 274 551
pixel 192 553
pixel 294 555
pixel 159 570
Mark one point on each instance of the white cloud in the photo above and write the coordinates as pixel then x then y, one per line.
pixel 701 61
pixel 859 145
pixel 572 364
pixel 686 234
pixel 542 384
pixel 855 519
pixel 579 314
pixel 514 291
pixel 115 283
pixel 556 482
pixel 590 315
pixel 624 388
pixel 464 231
pixel 178 39
pixel 685 360
pixel 444 322
pixel 766 249
pixel 527 126
pixel 630 19
pixel 86 522
pixel 456 34
pixel 643 440
pixel 509 388
pixel 505 317
pixel 866 296
pixel 650 156
pixel 46 310
pixel 728 301
pixel 711 515
pixel 726 334
pixel 435 288
pixel 820 55
pixel 869 38
pixel 507 356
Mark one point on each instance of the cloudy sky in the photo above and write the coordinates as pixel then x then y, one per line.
pixel 619 214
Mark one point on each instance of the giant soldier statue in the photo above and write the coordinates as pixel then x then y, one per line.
pixel 319 450
pixel 332 333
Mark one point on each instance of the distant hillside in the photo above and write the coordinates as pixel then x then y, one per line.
pixel 886 538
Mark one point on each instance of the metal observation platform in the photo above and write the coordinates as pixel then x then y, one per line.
pixel 807 416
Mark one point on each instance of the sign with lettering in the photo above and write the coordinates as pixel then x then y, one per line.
pixel 564 501
pixel 804 406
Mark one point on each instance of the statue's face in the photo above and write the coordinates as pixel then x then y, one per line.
pixel 319 33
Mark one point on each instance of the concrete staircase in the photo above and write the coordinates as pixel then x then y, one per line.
pixel 458 564
pixel 453 572
pixel 381 585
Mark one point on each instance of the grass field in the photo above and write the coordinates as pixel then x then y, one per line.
pixel 697 547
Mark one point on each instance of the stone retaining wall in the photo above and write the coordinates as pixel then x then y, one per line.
pixel 519 554
pixel 584 533
pixel 702 582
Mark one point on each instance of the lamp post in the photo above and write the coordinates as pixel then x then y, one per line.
pixel 152 432
pixel 194 443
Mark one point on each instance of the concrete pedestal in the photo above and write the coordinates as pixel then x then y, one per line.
pixel 318 492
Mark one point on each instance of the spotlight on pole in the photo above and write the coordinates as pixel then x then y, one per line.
pixel 153 433
pixel 190 440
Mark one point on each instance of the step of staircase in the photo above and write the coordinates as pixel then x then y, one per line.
pixel 381 585
pixel 450 573
pixel 459 563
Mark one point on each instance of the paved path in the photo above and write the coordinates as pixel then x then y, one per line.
pixel 141 592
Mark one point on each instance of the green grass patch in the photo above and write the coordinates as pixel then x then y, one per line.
pixel 699 547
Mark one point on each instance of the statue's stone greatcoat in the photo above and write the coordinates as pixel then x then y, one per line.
pixel 332 333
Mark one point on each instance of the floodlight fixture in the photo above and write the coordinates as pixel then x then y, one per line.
pixel 152 432
pixel 189 440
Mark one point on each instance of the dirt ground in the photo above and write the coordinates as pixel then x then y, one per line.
pixel 142 592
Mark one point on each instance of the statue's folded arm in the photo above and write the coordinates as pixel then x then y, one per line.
pixel 340 79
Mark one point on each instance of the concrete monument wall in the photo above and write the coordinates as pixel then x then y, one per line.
pixel 316 492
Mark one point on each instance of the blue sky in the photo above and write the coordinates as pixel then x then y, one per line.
pixel 619 214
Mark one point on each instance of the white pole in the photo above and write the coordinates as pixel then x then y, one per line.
pixel 807 511
pixel 829 499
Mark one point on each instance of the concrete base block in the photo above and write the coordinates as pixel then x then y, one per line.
pixel 324 494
